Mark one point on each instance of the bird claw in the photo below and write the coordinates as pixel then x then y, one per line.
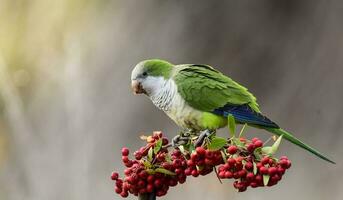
pixel 175 140
pixel 180 140
pixel 203 134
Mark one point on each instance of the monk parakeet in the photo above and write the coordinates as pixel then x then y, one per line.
pixel 200 98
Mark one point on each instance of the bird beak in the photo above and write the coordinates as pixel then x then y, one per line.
pixel 137 87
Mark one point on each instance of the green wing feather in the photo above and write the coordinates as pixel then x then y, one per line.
pixel 206 89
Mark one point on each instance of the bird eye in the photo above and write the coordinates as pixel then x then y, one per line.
pixel 145 74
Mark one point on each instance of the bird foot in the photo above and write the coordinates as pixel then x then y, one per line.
pixel 203 134
pixel 180 140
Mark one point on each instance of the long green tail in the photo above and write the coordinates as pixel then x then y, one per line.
pixel 296 141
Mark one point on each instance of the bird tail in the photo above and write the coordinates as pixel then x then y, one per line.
pixel 296 141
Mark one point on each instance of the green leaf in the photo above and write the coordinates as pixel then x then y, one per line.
pixel 267 150
pixel 199 168
pixel 165 171
pixel 150 154
pixel 238 143
pixel 273 149
pixel 276 145
pixel 232 125
pixel 168 158
pixel 150 171
pixel 147 164
pixel 182 149
pixel 191 148
pixel 217 143
pixel 257 153
pixel 255 168
pixel 265 179
pixel 158 146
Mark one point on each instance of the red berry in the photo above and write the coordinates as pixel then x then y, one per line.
pixel 125 159
pixel 254 139
pixel 258 143
pixel 127 171
pixel 283 158
pixel 124 194
pixel 188 171
pixel 228 174
pixel 119 183
pixel 250 176
pixel 172 182
pixel 264 170
pixel 242 173
pixel 231 161
pixel 138 155
pixel 239 166
pixel 118 190
pixel 165 141
pixel 258 178
pixel 201 151
pixel 251 147
pixel 125 151
pixel 254 184
pixel 222 174
pixel 158 183
pixel 143 174
pixel 235 175
pixel 259 165
pixel 157 134
pixel 179 171
pixel 114 176
pixel 177 163
pixel 195 173
pixel 209 154
pixel 249 166
pixel 208 161
pixel 285 163
pixel 232 150
pixel 150 188
pixel 141 183
pixel 272 171
pixel 150 178
pixel 160 157
pixel 190 163
pixel 265 160
pixel 176 153
pixel 281 170
pixel 128 164
pixel 194 157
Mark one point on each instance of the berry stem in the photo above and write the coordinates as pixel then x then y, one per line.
pixel 147 196
pixel 215 170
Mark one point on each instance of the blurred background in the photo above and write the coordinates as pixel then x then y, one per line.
pixel 66 107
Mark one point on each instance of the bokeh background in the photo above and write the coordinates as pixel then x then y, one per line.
pixel 66 108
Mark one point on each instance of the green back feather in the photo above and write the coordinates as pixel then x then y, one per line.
pixel 206 89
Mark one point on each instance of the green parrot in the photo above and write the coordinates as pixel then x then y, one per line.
pixel 200 98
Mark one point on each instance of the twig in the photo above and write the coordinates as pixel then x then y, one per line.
pixel 147 196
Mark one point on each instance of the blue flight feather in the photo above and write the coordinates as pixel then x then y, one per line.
pixel 244 114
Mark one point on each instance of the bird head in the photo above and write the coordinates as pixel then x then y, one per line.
pixel 149 75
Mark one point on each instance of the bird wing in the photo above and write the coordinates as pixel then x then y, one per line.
pixel 206 89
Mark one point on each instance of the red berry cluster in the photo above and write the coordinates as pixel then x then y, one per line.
pixel 245 166
pixel 153 170
pixel 202 162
